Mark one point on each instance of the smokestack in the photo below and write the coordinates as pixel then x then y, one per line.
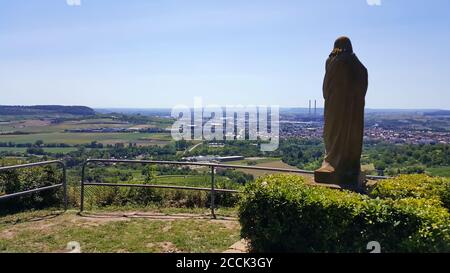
pixel 315 107
pixel 309 107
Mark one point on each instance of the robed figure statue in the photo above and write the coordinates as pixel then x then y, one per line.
pixel 344 90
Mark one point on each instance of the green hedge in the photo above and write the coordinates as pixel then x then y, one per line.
pixel 281 213
pixel 414 186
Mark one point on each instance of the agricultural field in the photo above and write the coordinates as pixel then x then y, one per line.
pixel 48 125
pixel 439 171
pixel 266 162
pixel 111 175
pixel 255 160
pixel 78 131
pixel 142 139
pixel 194 181
pixel 56 150
pixel 368 168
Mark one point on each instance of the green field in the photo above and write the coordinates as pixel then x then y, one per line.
pixel 196 181
pixel 34 126
pixel 439 171
pixel 55 150
pixel 174 180
pixel 259 160
pixel 85 138
pixel 30 129
pixel 269 162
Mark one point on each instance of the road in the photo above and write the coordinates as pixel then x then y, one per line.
pixel 195 146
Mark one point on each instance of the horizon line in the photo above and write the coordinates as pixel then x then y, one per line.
pixel 166 107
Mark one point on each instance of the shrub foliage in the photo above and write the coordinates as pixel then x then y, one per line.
pixel 281 213
pixel 13 181
pixel 414 186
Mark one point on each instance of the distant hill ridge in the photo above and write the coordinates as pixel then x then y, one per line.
pixel 46 109
pixel 438 113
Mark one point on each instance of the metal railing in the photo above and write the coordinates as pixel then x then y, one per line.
pixel 213 167
pixel 213 190
pixel 63 183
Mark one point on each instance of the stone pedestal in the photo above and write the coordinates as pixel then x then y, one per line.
pixel 327 175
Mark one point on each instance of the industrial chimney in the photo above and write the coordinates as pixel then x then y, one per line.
pixel 315 107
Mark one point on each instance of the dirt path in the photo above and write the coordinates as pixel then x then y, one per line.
pixel 105 217
pixel 238 247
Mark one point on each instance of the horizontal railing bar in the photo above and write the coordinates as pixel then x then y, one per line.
pixel 158 186
pixel 199 164
pixel 16 194
pixel 375 177
pixel 264 168
pixel 28 165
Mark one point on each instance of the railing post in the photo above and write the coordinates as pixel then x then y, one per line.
pixel 83 168
pixel 64 185
pixel 213 192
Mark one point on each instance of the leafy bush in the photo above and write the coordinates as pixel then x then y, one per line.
pixel 235 176
pixel 281 213
pixel 13 181
pixel 107 196
pixel 414 186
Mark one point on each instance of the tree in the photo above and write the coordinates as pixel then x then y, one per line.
pixel 35 151
pixel 150 173
pixel 39 143
pixel 380 165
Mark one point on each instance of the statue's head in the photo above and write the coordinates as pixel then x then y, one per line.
pixel 342 45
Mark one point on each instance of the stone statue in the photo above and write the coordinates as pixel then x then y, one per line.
pixel 344 90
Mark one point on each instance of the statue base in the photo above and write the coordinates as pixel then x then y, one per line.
pixel 328 175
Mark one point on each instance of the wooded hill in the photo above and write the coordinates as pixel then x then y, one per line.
pixel 46 109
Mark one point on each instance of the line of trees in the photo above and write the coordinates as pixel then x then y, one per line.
pixel 390 158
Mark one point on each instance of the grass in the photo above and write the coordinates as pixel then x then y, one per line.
pixel 260 160
pixel 200 180
pixel 44 125
pixel 221 211
pixel 55 128
pixel 439 171
pixel 84 138
pixel 157 136
pixel 179 180
pixel 40 233
pixel 270 163
pixel 43 129
pixel 368 168
pixel 63 150
pixel 195 181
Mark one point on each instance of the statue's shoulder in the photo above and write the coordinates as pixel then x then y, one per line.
pixel 356 60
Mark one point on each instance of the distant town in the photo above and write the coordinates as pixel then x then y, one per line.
pixel 314 130
pixel 391 126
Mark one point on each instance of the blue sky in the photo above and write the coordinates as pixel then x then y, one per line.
pixel 159 53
